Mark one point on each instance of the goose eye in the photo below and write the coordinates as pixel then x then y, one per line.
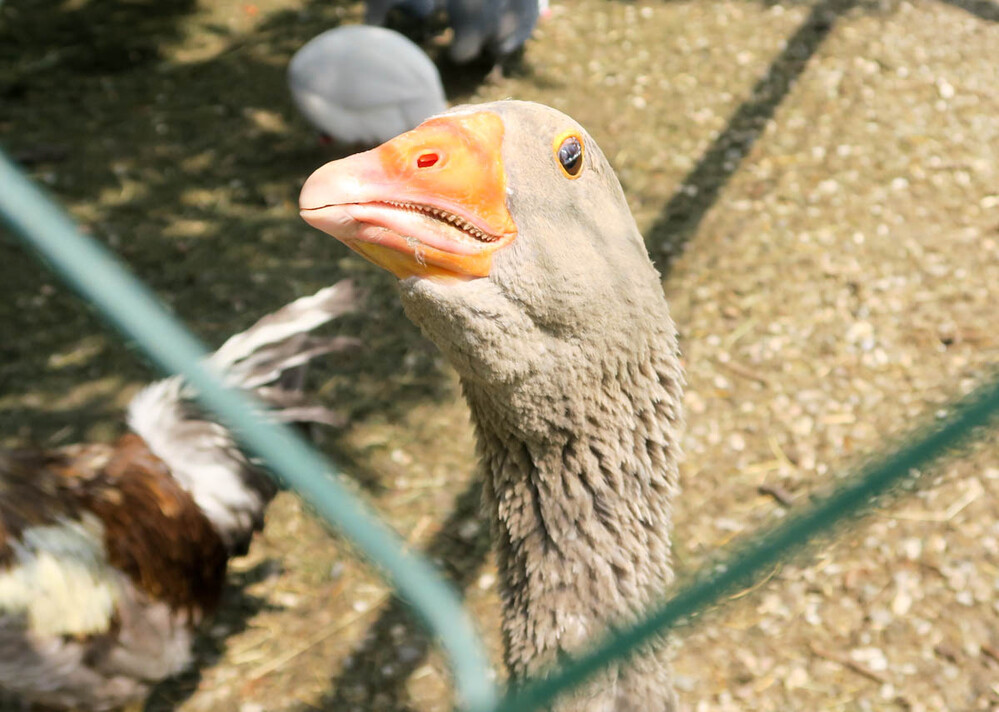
pixel 570 155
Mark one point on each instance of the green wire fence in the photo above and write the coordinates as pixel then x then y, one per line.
pixel 133 310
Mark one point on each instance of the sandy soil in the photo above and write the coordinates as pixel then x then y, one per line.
pixel 819 186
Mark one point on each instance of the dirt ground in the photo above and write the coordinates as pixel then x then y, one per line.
pixel 818 183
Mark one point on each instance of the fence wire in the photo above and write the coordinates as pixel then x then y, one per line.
pixel 750 563
pixel 133 310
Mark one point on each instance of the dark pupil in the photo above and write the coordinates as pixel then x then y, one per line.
pixel 570 155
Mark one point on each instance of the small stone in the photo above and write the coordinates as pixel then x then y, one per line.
pixel 408 654
pixel 796 678
pixel 696 404
pixel 880 617
pixel 912 548
pixel 874 658
pixel 287 599
pixel 401 457
pixel 901 604
pixel 397 632
pixel 729 525
pixel 684 683
pixel 468 529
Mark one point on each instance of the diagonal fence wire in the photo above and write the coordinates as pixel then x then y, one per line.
pixel 750 563
pixel 132 309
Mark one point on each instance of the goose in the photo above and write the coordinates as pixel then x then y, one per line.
pixel 376 11
pixel 494 28
pixel 517 255
pixel 363 85
pixel 112 554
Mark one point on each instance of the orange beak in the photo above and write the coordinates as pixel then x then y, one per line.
pixel 429 203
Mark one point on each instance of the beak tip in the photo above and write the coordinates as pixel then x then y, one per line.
pixel 310 217
pixel 309 198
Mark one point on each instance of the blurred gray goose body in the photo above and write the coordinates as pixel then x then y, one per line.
pixel 497 28
pixel 363 85
pixel 492 28
pixel 376 11
pixel 518 256
pixel 111 554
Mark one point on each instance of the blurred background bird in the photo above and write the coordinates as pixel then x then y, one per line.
pixel 363 85
pixel 376 11
pixel 111 554
pixel 491 29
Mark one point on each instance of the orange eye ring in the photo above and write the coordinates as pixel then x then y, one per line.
pixel 569 151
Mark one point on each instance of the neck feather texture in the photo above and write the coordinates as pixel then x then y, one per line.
pixel 580 470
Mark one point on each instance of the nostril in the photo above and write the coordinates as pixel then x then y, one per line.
pixel 426 160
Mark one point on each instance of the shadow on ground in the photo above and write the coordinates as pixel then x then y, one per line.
pixel 186 161
pixel 237 608
pixel 394 645
pixel 701 188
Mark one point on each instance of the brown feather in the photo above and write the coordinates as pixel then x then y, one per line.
pixel 36 489
pixel 154 531
pixel 109 554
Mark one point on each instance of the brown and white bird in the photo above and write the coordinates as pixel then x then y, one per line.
pixel 111 554
pixel 517 254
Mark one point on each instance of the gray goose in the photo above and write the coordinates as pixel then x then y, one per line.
pixel 518 256
pixel 495 28
pixel 491 29
pixel 376 11
pixel 363 85
pixel 112 554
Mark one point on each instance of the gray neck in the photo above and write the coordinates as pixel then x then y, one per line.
pixel 580 471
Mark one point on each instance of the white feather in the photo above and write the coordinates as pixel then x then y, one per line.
pixel 62 583
pixel 202 454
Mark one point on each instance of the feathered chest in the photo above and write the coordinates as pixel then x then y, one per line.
pixel 80 525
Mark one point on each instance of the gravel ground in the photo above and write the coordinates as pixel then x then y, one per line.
pixel 819 184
